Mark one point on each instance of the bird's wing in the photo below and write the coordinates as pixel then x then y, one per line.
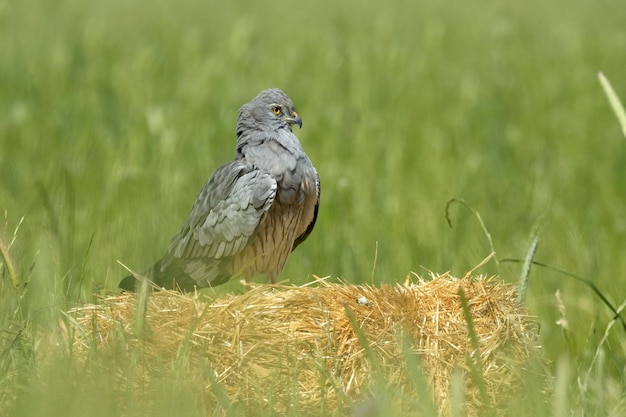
pixel 226 214
pixel 311 225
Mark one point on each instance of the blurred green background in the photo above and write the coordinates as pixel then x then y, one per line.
pixel 114 114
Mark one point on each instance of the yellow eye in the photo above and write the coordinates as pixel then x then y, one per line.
pixel 277 110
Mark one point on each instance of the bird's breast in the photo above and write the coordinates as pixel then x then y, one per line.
pixel 268 251
pixel 295 186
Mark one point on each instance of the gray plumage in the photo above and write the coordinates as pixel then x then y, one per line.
pixel 253 211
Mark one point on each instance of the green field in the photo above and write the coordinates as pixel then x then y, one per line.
pixel 113 114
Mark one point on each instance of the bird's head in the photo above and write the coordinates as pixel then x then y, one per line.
pixel 269 111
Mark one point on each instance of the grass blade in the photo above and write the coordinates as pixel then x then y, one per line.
pixel 616 104
pixel 528 262
pixel 616 314
pixel 474 361
pixel 4 251
pixel 480 221
pixel 560 399
pixel 426 405
pixel 604 339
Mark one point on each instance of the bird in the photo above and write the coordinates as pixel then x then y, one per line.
pixel 253 211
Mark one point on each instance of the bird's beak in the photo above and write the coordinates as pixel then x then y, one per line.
pixel 295 119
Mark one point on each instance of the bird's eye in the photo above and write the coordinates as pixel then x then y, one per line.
pixel 277 110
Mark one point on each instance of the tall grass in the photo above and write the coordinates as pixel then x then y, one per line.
pixel 113 115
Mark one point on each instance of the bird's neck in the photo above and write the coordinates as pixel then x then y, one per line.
pixel 283 137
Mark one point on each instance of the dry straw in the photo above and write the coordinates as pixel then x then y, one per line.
pixel 286 346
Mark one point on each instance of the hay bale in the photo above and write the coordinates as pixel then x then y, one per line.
pixel 274 345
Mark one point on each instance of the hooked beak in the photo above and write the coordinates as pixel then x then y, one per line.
pixel 295 119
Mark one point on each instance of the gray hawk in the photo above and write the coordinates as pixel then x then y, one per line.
pixel 252 212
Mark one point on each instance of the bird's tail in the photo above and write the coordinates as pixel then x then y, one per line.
pixel 173 277
pixel 132 284
pixel 128 283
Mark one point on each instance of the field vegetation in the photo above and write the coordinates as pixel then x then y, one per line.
pixel 114 113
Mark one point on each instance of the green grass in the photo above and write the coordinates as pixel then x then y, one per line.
pixel 113 115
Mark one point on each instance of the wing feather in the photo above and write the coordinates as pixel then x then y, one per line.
pixel 311 225
pixel 226 214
